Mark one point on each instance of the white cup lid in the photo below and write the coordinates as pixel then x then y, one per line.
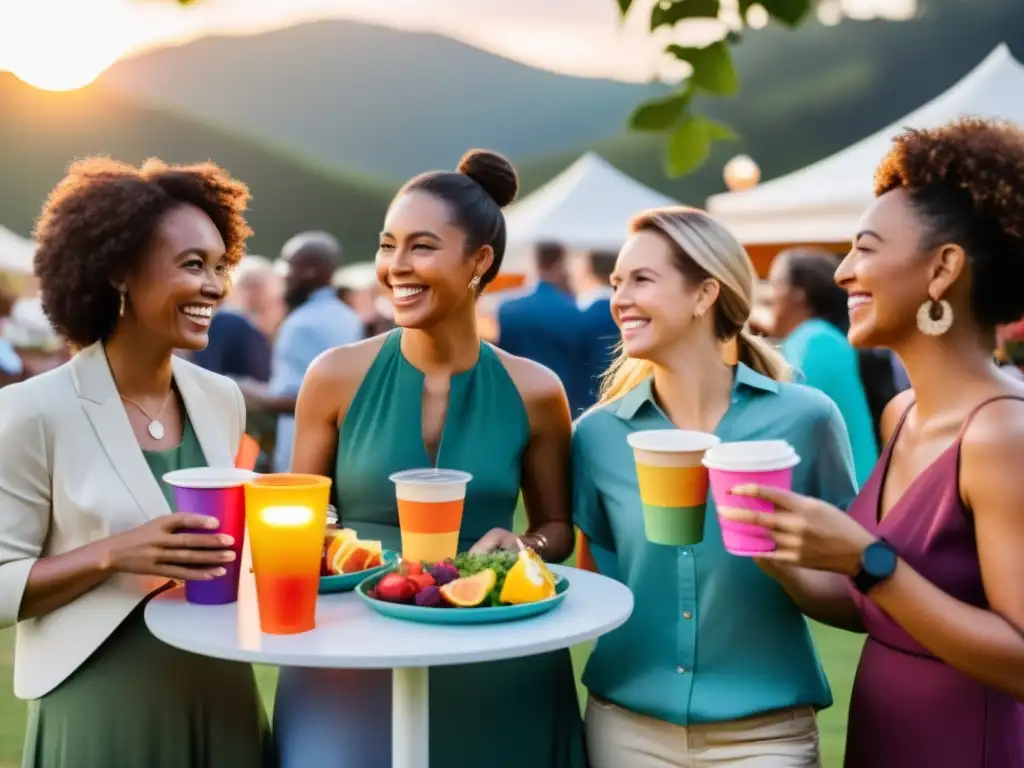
pixel 671 440
pixel 209 477
pixel 752 455
pixel 431 477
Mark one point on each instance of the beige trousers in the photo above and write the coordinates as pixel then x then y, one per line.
pixel 618 738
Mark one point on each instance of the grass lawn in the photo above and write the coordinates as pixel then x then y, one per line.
pixel 839 652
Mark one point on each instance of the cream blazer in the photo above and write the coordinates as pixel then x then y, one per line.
pixel 71 473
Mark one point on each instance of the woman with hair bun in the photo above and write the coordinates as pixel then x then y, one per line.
pixel 716 665
pixel 929 561
pixel 369 409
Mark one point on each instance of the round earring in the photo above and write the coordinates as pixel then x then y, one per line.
pixel 934 317
pixel 475 281
pixel 120 311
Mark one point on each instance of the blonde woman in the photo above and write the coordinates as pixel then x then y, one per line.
pixel 716 666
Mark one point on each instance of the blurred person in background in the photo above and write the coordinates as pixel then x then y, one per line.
pixel 132 263
pixel 258 293
pixel 238 347
pixel 318 321
pixel 810 318
pixel 544 325
pixel 357 286
pixel 589 275
pixel 12 368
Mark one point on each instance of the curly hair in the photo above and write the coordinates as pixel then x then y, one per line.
pixel 965 180
pixel 99 219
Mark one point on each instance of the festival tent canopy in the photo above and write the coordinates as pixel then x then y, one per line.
pixel 587 207
pixel 823 202
pixel 16 253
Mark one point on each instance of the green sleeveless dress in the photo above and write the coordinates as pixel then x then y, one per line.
pixel 506 714
pixel 138 702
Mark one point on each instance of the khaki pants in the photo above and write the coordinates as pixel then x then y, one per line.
pixel 618 738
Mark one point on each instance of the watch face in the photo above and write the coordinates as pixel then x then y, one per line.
pixel 879 560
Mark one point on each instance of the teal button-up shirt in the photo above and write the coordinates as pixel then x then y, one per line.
pixel 711 638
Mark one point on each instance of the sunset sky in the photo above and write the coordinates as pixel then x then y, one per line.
pixel 65 44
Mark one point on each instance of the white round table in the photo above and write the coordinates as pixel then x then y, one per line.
pixel 349 635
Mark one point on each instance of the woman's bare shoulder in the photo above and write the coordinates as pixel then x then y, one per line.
pixel 540 388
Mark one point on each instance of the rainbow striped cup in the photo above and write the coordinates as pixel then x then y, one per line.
pixel 430 503
pixel 673 483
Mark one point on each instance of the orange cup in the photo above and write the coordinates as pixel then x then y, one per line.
pixel 287 516
pixel 430 503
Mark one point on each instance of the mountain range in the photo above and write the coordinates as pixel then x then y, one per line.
pixel 324 121
pixel 376 99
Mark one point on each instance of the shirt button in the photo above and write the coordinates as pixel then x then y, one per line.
pixel 687 615
pixel 686 553
pixel 680 670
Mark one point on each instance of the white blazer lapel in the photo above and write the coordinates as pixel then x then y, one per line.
pixel 103 406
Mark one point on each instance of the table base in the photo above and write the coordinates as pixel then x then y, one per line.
pixel 410 717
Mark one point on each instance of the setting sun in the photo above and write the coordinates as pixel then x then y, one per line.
pixel 61 45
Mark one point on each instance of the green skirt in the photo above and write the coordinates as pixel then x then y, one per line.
pixel 139 703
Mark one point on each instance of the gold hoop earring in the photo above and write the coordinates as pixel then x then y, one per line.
pixel 934 317
pixel 120 311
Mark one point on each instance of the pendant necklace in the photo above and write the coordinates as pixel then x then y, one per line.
pixel 155 426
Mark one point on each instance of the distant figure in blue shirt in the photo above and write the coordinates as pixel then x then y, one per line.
pixel 589 274
pixel 716 665
pixel 317 322
pixel 544 325
pixel 811 318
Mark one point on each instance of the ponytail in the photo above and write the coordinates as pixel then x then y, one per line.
pixel 760 355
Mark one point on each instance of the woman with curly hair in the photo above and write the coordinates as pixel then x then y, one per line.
pixel 132 264
pixel 928 561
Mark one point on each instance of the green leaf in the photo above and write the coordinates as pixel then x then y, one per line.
pixel 788 12
pixel 689 145
pixel 712 67
pixel 661 114
pixel 667 13
pixel 624 6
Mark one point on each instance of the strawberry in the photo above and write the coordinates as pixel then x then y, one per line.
pixel 396 588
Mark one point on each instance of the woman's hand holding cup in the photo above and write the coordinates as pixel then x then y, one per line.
pixel 170 547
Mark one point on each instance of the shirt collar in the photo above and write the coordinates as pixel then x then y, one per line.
pixel 746 378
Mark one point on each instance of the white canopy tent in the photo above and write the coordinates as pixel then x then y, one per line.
pixel 16 253
pixel 823 202
pixel 587 207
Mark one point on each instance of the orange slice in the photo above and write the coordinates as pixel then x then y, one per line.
pixel 355 555
pixel 470 591
pixel 528 581
pixel 338 540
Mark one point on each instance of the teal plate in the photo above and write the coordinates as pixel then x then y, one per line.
pixel 449 615
pixel 348 581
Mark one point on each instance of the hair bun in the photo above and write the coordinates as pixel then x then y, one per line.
pixel 492 172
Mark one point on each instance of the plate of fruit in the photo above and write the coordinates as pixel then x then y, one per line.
pixel 348 560
pixel 470 589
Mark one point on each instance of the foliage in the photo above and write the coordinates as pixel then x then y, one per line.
pixel 690 136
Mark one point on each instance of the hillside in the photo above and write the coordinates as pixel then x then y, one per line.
pixel 809 94
pixel 377 99
pixel 40 133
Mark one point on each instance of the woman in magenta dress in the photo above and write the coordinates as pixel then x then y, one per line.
pixel 930 560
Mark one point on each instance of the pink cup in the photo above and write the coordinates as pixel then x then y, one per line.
pixel 761 462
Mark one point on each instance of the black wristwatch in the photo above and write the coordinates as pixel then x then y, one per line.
pixel 877 563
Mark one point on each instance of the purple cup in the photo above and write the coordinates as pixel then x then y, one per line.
pixel 217 492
